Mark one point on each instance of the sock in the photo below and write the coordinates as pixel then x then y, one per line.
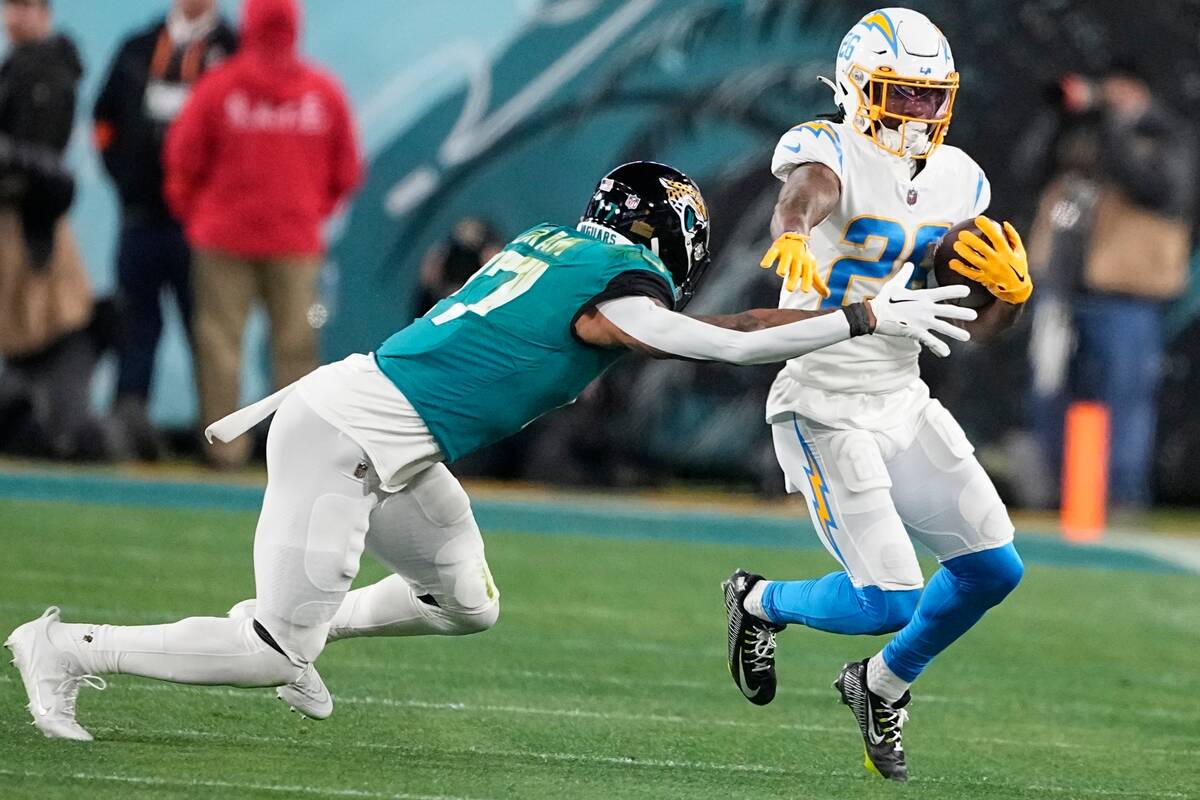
pixel 882 681
pixel 197 650
pixel 390 608
pixel 752 604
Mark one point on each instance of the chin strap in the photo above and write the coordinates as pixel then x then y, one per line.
pixel 915 143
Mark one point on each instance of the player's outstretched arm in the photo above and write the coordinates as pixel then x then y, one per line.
pixel 809 195
pixel 763 336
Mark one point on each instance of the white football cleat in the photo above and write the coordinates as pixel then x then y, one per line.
pixel 52 678
pixel 307 694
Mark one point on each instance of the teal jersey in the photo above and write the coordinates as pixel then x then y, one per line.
pixel 501 351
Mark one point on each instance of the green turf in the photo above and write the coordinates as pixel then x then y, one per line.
pixel 604 679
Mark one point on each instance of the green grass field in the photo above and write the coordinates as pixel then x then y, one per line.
pixel 605 678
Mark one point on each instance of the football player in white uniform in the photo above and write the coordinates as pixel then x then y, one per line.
pixel 855 429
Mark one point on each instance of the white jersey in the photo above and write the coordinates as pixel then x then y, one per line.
pixel 883 219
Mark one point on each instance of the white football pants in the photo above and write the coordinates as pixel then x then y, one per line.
pixel 322 508
pixel 864 486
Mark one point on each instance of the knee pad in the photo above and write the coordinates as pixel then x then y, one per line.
pixel 887 611
pixel 476 620
pixel 464 580
pixel 989 574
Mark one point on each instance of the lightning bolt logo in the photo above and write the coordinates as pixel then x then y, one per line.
pixel 882 23
pixel 822 511
pixel 817 129
pixel 820 495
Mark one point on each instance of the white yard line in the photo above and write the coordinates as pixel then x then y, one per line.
pixel 545 756
pixel 718 685
pixel 588 758
pixel 613 716
pixel 143 780
pixel 486 708
pixel 372 700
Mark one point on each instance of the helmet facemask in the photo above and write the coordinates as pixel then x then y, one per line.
pixel 905 116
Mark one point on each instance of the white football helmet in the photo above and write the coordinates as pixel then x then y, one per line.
pixel 895 81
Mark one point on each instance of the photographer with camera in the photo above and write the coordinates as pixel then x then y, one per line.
pixel 1111 244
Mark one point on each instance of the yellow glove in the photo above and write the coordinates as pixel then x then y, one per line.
pixel 796 264
pixel 999 263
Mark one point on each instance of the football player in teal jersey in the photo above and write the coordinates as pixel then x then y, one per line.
pixel 357 451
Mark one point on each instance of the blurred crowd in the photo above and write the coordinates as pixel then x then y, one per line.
pixel 228 152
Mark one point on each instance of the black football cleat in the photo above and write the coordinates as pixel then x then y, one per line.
pixel 879 722
pixel 751 642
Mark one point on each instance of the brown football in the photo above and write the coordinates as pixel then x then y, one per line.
pixel 979 297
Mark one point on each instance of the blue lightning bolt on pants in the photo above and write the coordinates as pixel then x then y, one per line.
pixel 860 514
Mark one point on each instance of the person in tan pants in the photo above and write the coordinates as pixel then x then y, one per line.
pixel 226 287
pixel 261 154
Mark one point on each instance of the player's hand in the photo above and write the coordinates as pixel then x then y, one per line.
pixel 920 313
pixel 796 264
pixel 999 263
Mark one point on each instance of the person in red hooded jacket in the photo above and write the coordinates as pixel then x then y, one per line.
pixel 261 154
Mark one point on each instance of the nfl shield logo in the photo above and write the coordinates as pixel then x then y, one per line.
pixel 912 197
pixel 632 201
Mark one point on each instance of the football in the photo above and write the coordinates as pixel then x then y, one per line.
pixel 979 297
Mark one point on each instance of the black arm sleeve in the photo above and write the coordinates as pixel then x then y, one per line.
pixel 633 283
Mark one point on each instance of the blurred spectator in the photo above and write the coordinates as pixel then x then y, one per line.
pixel 45 300
pixel 1111 242
pixel 447 266
pixel 148 82
pixel 263 151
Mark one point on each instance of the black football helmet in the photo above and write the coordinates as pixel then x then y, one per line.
pixel 651 204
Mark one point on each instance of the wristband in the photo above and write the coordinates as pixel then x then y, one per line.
pixel 860 321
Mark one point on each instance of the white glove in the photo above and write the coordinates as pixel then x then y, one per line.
pixel 919 313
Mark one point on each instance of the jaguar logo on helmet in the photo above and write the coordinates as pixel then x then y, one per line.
pixel 895 81
pixel 686 201
pixel 682 195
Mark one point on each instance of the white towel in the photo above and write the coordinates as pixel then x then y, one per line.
pixel 234 425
